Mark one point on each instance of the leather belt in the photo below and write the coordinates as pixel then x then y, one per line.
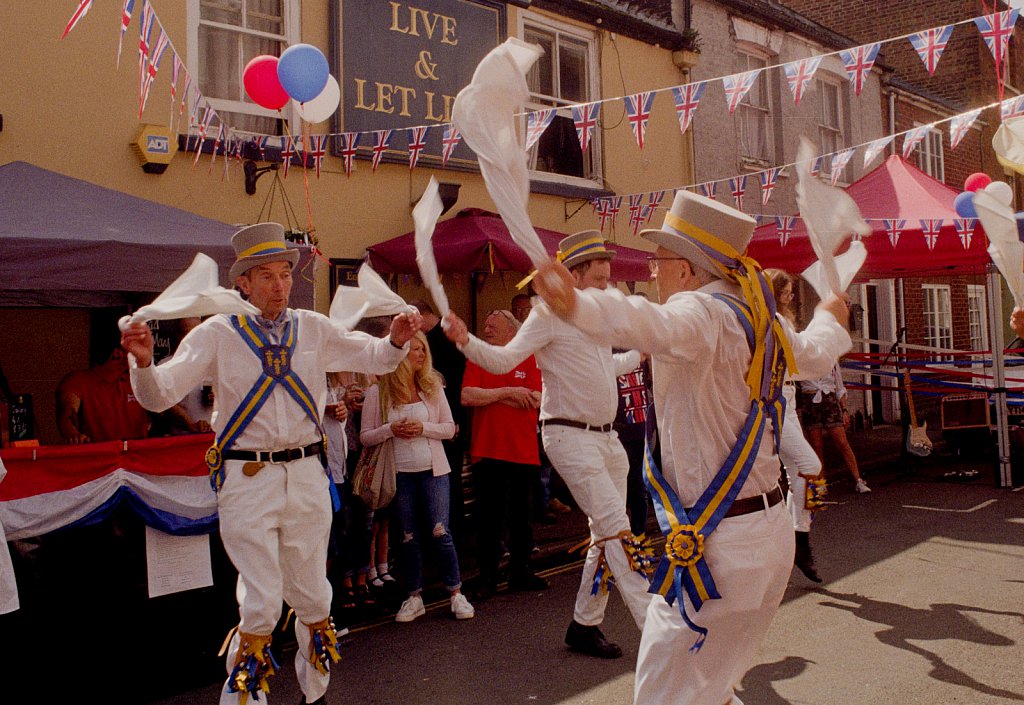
pixel 749 505
pixel 275 456
pixel 576 424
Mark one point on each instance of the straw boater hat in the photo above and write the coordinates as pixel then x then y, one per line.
pixel 582 247
pixel 258 244
pixel 703 219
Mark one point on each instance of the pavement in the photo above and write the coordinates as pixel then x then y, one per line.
pixel 922 604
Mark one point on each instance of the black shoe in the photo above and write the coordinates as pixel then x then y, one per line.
pixel 527 582
pixel 590 641
pixel 322 700
pixel 803 558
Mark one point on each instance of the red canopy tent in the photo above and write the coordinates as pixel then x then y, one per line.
pixel 894 190
pixel 476 240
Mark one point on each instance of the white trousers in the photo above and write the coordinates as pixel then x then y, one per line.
pixel 8 584
pixel 799 459
pixel 275 527
pixel 594 467
pixel 750 558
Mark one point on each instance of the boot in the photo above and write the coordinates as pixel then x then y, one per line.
pixel 803 559
pixel 590 641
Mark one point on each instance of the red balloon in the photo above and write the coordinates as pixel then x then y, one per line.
pixel 261 83
pixel 977 181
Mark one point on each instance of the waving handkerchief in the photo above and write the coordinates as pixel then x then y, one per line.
pixel 485 113
pixel 371 297
pixel 847 265
pixel 830 216
pixel 194 293
pixel 425 216
pixel 1004 247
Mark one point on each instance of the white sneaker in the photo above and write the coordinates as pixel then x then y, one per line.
pixel 461 607
pixel 411 609
pixel 862 487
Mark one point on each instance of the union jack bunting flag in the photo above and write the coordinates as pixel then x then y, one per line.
pixel 287 152
pixel 126 19
pixel 687 98
pixel 585 118
pixel 83 8
pixel 614 206
pixel 381 138
pixel 536 123
pixel 1011 107
pixel 156 56
pixel 638 112
pixel 768 179
pixel 636 204
pixel 858 62
pixel 784 228
pixel 417 142
pixel 708 189
pixel 204 125
pixel 145 33
pixel 965 230
pixel 913 138
pixel 317 150
pixel 839 162
pixel 449 142
pixel 176 67
pixel 184 92
pixel 816 166
pixel 894 228
pixel 930 229
pixel 959 126
pixel 654 199
pixel 799 75
pixel 261 144
pixel 929 45
pixel 216 146
pixel 875 148
pixel 996 29
pixel 349 143
pixel 604 211
pixel 737 185
pixel 737 86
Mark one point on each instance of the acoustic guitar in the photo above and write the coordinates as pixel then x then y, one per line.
pixel 918 442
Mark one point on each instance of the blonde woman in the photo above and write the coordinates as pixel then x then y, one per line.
pixel 799 459
pixel 409 407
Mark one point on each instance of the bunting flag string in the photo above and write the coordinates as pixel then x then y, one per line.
pixel 737 86
pixel 585 118
pixel 839 162
pixel 996 29
pixel 894 228
pixel 768 179
pixel 816 165
pixel 913 138
pixel 708 189
pixel 687 98
pixel 287 152
pixel 176 66
pixel 153 65
pixel 638 111
pixel 449 142
pixel 654 202
pixel 1011 107
pixel 126 19
pixel 784 228
pixel 145 33
pixel 635 208
pixel 799 75
pixel 875 148
pixel 381 139
pixel 417 143
pixel 604 212
pixel 930 229
pixel 216 146
pixel 959 125
pixel 965 230
pixel 858 62
pixel 614 205
pixel 930 45
pixel 349 144
pixel 261 145
pixel 737 186
pixel 317 150
pixel 536 123
pixel 81 11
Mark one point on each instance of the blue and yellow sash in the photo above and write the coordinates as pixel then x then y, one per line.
pixel 683 569
pixel 277 369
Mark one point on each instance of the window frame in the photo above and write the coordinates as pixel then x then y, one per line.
pixel 977 307
pixel 925 153
pixel 745 108
pixel 940 294
pixel 832 84
pixel 543 23
pixel 292 18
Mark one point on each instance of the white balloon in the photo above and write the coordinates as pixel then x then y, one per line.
pixel 1001 191
pixel 323 106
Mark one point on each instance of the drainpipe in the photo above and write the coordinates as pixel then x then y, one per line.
pixel 892 119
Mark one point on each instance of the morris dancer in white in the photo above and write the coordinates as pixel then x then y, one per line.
pixel 578 404
pixel 274 496
pixel 719 356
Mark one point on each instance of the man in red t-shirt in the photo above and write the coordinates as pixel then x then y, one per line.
pixel 503 449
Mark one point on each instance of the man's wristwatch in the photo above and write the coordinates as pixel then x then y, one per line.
pixel 400 347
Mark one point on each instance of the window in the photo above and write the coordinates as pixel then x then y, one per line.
pixel 938 318
pixel 755 114
pixel 565 75
pixel 929 155
pixel 225 36
pixel 976 313
pixel 830 124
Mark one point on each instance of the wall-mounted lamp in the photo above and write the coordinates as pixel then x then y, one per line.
pixel 253 173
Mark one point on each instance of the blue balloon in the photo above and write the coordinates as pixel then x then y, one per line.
pixel 302 71
pixel 963 204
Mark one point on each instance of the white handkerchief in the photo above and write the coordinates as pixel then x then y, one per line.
pixel 1004 246
pixel 425 216
pixel 847 265
pixel 371 297
pixel 194 293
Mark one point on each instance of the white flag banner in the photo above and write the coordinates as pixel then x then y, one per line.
pixel 1004 247
pixel 370 297
pixel 425 216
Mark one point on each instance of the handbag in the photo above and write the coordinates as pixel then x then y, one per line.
pixel 374 477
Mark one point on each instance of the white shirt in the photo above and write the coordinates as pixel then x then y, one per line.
pixel 215 351
pixel 411 454
pixel 579 373
pixel 699 361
